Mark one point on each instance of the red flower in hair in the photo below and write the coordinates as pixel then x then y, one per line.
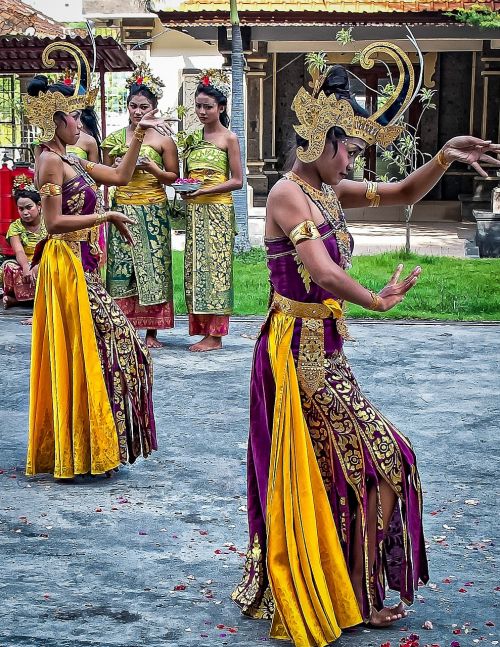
pixel 205 80
pixel 22 185
pixel 67 81
pixel 139 80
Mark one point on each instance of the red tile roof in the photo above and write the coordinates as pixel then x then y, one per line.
pixel 322 6
pixel 16 17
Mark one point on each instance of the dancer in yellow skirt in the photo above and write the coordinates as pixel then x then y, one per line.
pixel 91 378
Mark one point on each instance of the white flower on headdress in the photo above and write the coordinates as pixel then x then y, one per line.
pixel 143 75
pixel 218 79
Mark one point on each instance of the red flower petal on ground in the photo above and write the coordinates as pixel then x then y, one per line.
pixel 220 626
pixel 180 587
pixel 457 631
pixel 454 643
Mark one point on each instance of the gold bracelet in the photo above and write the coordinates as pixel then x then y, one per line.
pixel 372 193
pixel 442 161
pixel 376 303
pixel 101 218
pixel 90 166
pixel 139 134
pixel 49 189
pixel 305 230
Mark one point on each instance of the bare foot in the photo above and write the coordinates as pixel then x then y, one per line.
pixel 27 322
pixel 387 616
pixel 151 339
pixel 207 343
pixel 8 302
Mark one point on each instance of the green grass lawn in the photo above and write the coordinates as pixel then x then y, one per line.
pixel 448 289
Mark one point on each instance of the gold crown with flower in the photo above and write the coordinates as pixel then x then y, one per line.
pixel 23 182
pixel 40 110
pixel 218 79
pixel 143 75
pixel 317 113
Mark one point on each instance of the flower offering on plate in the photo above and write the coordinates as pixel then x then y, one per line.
pixel 186 185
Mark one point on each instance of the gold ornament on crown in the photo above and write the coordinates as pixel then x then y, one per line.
pixel 317 113
pixel 143 75
pixel 40 110
pixel 23 182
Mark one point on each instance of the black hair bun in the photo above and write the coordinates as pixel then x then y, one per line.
pixel 39 83
pixel 337 82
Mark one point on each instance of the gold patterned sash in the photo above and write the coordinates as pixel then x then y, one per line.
pixel 89 235
pixel 310 365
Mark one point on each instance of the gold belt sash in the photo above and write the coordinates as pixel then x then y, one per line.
pixel 311 365
pixel 89 235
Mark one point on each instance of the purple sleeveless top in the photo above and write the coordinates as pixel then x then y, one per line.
pixel 79 197
pixel 290 279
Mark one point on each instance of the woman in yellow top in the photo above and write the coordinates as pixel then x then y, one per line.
pixel 139 278
pixel 212 155
pixel 23 235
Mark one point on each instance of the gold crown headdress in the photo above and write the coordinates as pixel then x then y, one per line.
pixel 218 79
pixel 40 110
pixel 143 75
pixel 23 182
pixel 317 113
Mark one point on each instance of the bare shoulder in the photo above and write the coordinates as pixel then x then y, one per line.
pixel 286 193
pixel 50 168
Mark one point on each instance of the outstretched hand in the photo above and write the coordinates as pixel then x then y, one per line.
pixel 395 290
pixel 150 120
pixel 120 221
pixel 471 150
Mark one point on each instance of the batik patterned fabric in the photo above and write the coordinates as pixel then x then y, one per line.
pixel 139 277
pixel 210 231
pixel 91 405
pixel 355 448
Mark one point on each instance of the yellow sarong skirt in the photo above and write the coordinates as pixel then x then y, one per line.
pixel 308 576
pixel 71 426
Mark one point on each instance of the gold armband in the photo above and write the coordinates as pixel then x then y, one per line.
pixel 90 165
pixel 139 134
pixel 49 189
pixel 372 193
pixel 100 219
pixel 306 230
pixel 442 161
pixel 376 303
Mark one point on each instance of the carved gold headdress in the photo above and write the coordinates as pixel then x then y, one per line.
pixel 40 110
pixel 317 113
pixel 143 75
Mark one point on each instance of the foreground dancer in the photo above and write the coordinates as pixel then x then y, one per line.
pixel 91 405
pixel 140 278
pixel 334 496
pixel 213 157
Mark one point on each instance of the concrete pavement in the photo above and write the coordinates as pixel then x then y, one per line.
pixel 150 556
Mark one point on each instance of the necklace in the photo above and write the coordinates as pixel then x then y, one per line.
pixel 327 202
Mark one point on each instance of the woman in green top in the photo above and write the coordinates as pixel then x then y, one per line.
pixel 139 278
pixel 212 156
pixel 17 276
